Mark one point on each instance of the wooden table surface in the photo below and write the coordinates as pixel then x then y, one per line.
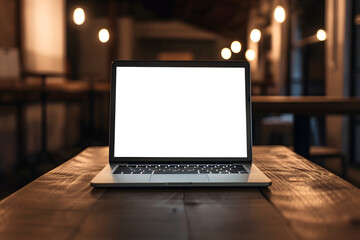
pixel 305 201
pixel 306 105
pixel 302 107
pixel 13 92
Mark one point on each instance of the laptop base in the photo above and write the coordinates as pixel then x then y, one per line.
pixel 255 178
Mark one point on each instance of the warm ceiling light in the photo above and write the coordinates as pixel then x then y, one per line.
pixel 255 35
pixel 279 14
pixel 250 55
pixel 79 16
pixel 226 53
pixel 236 46
pixel 104 35
pixel 321 35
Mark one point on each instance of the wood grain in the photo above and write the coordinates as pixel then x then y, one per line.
pixel 233 213
pixel 304 202
pixel 316 203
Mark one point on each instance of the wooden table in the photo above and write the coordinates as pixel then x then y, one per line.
pixel 306 105
pixel 13 92
pixel 303 107
pixel 19 93
pixel 305 201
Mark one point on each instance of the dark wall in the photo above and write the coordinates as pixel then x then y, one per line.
pixel 8 23
pixel 148 49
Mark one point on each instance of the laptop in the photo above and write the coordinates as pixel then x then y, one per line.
pixel 180 124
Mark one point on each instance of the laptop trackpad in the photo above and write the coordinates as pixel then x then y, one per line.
pixel 182 178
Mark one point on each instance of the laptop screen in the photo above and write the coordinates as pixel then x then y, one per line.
pixel 180 112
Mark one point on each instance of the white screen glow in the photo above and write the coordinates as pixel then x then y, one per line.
pixel 180 112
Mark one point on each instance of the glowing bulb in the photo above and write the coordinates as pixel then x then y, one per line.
pixel 104 35
pixel 226 53
pixel 250 55
pixel 236 46
pixel 255 35
pixel 321 35
pixel 279 14
pixel 79 16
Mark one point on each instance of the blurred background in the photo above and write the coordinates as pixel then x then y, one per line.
pixel 55 70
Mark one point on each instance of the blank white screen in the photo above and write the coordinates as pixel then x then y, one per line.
pixel 180 112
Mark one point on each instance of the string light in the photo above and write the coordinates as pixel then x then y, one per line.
pixel 79 16
pixel 255 35
pixel 225 53
pixel 279 14
pixel 104 35
pixel 250 55
pixel 236 46
pixel 321 35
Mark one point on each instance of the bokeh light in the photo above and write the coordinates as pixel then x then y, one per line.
pixel 250 55
pixel 104 35
pixel 225 53
pixel 255 35
pixel 79 16
pixel 236 46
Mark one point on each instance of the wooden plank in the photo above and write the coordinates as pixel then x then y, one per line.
pixel 136 214
pixel 182 214
pixel 62 204
pixel 233 213
pixel 316 203
pixel 55 204
pixel 196 214
pixel 304 202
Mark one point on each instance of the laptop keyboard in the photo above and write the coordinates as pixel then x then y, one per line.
pixel 181 169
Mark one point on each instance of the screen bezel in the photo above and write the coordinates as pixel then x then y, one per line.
pixel 230 64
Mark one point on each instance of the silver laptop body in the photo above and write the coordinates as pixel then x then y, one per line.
pixel 181 124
